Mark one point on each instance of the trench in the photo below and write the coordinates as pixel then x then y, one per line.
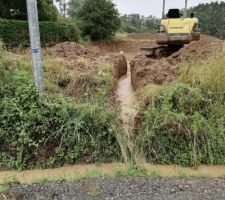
pixel 125 95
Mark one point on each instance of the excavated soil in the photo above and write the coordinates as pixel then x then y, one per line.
pixel 147 70
pixel 75 56
pixel 81 64
pixel 72 50
pixel 83 58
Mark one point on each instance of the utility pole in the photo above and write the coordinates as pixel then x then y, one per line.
pixel 163 12
pixel 35 44
pixel 185 11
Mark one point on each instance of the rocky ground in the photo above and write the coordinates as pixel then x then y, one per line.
pixel 122 188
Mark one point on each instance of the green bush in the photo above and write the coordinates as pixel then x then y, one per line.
pixel 16 33
pixel 184 125
pixel 54 131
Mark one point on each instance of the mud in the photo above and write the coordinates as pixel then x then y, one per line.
pixel 152 71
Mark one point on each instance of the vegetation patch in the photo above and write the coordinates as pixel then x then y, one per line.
pixel 3 189
pixel 53 131
pixel 183 122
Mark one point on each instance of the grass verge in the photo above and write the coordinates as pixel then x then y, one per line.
pixel 183 122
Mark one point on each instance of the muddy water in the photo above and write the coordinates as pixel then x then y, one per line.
pixel 125 95
pixel 75 171
pixel 70 172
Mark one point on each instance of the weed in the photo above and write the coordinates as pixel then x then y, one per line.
pixel 42 179
pixel 3 189
pixel 131 170
pixel 8 179
pixel 153 173
pixel 96 174
pixel 95 191
pixel 182 174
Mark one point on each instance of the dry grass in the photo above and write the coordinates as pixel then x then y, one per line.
pixel 208 73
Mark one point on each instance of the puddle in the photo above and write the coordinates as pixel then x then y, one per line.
pixel 75 171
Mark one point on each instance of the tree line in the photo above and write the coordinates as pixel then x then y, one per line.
pixel 212 18
pixel 100 19
pixel 97 20
pixel 134 23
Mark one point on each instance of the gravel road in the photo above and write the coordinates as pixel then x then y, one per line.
pixel 123 188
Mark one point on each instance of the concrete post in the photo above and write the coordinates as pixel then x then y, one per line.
pixel 35 44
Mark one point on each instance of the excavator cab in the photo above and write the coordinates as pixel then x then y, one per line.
pixel 173 14
pixel 176 29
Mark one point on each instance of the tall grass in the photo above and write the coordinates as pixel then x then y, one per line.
pixel 183 122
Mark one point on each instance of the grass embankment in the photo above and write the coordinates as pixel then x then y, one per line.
pixel 59 129
pixel 183 122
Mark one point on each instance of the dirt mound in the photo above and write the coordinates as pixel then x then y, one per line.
pixel 72 50
pixel 147 70
pixel 75 56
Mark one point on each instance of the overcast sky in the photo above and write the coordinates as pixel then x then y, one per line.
pixel 152 7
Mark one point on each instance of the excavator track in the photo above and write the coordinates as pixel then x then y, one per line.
pixel 160 51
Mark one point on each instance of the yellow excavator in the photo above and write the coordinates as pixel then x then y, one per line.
pixel 175 30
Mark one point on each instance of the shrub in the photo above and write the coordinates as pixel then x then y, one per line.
pixel 184 123
pixel 16 33
pixel 54 132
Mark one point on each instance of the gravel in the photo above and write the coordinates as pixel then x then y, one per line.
pixel 123 188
